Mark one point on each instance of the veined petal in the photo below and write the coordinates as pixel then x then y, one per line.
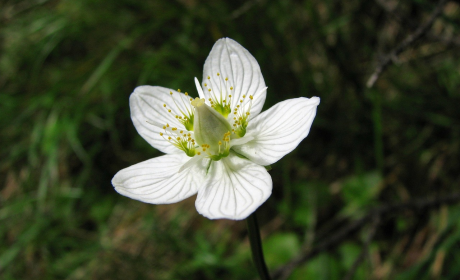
pixel 149 114
pixel 234 188
pixel 158 180
pixel 279 130
pixel 232 61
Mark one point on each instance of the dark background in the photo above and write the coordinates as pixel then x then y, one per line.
pixel 67 69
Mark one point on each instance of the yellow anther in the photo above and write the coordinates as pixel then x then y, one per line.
pixel 170 92
pixel 209 89
pixel 250 97
pixel 164 105
pixel 181 131
pixel 167 125
pixel 161 133
pixel 226 79
pixel 205 85
pixel 218 74
pixel 231 88
pixel 191 99
pixel 164 127
pixel 220 143
pixel 169 110
pixel 178 138
pixel 247 113
pixel 186 93
pixel 178 89
pixel 169 138
pixel 229 96
pixel 198 153
pixel 244 96
pixel 209 78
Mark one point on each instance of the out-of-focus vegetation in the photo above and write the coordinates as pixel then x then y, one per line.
pixel 67 69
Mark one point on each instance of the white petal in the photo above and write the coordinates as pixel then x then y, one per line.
pixel 199 89
pixel 191 162
pixel 232 61
pixel 240 141
pixel 149 115
pixel 234 188
pixel 279 130
pixel 158 181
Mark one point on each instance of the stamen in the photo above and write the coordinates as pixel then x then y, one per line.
pixel 242 111
pixel 182 141
pixel 185 117
pixel 219 98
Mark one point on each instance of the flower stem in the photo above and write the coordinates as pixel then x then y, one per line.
pixel 256 247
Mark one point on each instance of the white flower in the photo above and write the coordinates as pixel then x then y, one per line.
pixel 216 145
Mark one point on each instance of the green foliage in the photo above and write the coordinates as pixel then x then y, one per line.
pixel 322 268
pixel 67 69
pixel 280 248
pixel 359 192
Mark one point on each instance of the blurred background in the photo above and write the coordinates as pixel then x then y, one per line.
pixel 67 69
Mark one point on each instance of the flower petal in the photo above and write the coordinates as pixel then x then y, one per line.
pixel 232 61
pixel 279 130
pixel 149 114
pixel 234 188
pixel 158 181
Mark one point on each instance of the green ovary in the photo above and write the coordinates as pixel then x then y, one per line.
pixel 211 130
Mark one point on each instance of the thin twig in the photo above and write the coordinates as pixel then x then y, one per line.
pixel 417 204
pixel 413 37
pixel 455 41
pixel 244 9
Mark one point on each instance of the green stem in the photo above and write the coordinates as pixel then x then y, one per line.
pixel 256 247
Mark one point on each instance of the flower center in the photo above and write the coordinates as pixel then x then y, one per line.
pixel 208 128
